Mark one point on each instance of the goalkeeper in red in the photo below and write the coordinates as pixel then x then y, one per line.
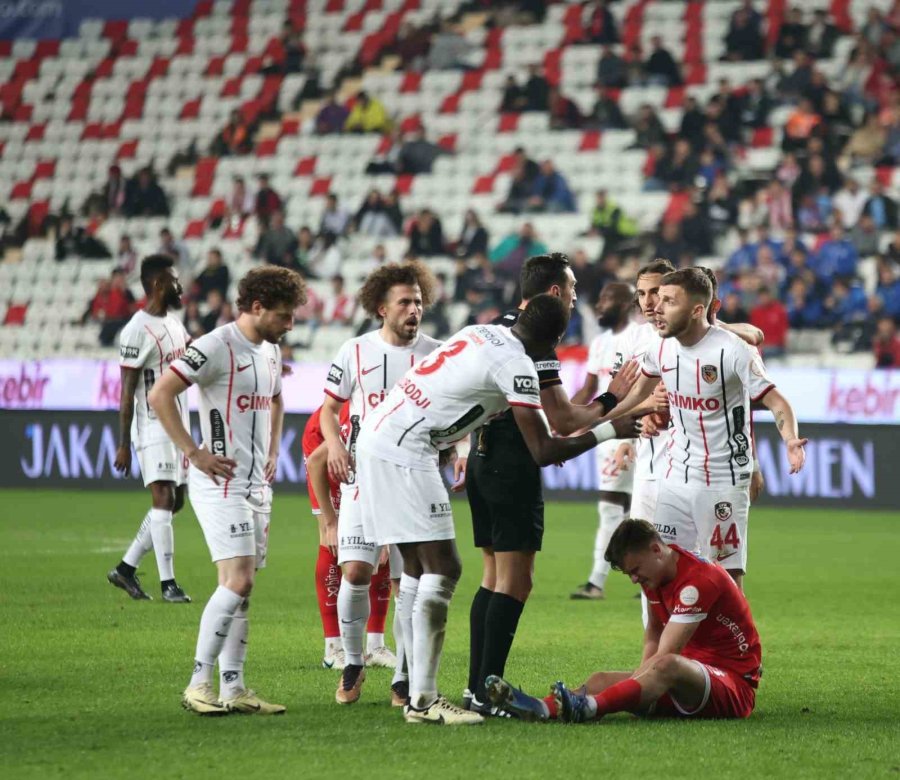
pixel 702 657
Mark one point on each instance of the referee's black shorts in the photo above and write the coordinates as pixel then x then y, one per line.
pixel 507 504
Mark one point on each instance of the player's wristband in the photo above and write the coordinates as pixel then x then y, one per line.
pixel 463 446
pixel 608 400
pixel 604 432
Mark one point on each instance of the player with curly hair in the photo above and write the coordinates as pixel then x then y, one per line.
pixel 238 370
pixel 363 373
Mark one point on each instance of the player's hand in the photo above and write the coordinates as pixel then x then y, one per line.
pixel 383 557
pixel 330 536
pixel 757 483
pixel 122 463
pixel 459 474
pixel 624 456
pixel 624 380
pixel 650 427
pixel 271 467
pixel 286 370
pixel 338 463
pixel 660 398
pixel 796 455
pixel 627 427
pixel 212 465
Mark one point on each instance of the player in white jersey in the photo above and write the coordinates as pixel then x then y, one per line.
pixel 609 351
pixel 237 369
pixel 480 372
pixel 364 371
pixel 151 340
pixel 711 376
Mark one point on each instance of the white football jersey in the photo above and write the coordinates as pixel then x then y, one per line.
pixel 237 380
pixel 365 370
pixel 149 344
pixel 610 351
pixel 710 387
pixel 652 452
pixel 477 374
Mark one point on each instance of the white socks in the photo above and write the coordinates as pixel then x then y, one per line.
pixel 163 542
pixel 234 652
pixel 429 622
pixel 611 516
pixel 214 625
pixel 373 642
pixel 403 612
pixel 353 613
pixel 141 545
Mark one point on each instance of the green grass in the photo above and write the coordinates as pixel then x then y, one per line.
pixel 91 680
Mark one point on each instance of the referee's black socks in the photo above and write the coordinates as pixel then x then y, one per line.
pixel 500 623
pixel 477 615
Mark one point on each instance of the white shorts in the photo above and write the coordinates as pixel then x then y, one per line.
pixel 609 477
pixel 352 540
pixel 643 499
pixel 237 526
pixel 401 504
pixel 708 521
pixel 162 462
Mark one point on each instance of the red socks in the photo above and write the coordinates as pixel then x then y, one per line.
pixel 379 600
pixel 550 701
pixel 621 697
pixel 328 581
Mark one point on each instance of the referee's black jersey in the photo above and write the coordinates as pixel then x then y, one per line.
pixel 500 442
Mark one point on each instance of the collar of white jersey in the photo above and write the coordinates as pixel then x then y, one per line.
pixel 376 335
pixel 239 334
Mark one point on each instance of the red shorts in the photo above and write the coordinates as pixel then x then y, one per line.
pixel 728 695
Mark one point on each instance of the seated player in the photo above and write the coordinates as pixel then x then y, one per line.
pixel 701 650
pixel 328 573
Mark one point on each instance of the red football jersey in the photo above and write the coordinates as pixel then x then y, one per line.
pixel 703 592
pixel 312 438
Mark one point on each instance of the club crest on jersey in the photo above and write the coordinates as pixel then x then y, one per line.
pixel 709 373
pixel 194 358
pixel 335 374
pixel 723 510
pixel 525 385
pixel 129 353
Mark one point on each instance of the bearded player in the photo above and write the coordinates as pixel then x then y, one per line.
pixel 363 373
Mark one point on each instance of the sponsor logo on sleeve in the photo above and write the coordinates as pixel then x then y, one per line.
pixel 194 357
pixel 335 374
pixel 526 385
pixel 547 365
pixel 129 353
pixel 689 595
pixel 709 373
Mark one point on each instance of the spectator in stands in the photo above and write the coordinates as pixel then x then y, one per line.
pixel 821 36
pixel 837 124
pixel 374 219
pixel 114 191
pixel 519 190
pixel 368 115
pixel 215 303
pixel 850 201
pixel 771 317
pixel 804 309
pixel 473 240
pixel 755 105
pixel 550 191
pixel 126 255
pixel 778 207
pixel 794 85
pixel 267 200
pixel 693 121
pixel 649 131
pixel 678 168
pixel 214 276
pixel 332 116
pixel 326 259
pixel 426 235
pixel 412 46
pixel 305 242
pixel 67 239
pixel 417 155
pixel 537 90
pixel 564 114
pixel 864 236
pixel 609 221
pixel 144 197
pixel 886 344
pixel 732 309
pixel 771 273
pixel 178 251
pixel 612 70
pixel 606 114
pixel 339 306
pixel 240 203
pixel 235 137
pixel 111 306
pixel 510 254
pixel 815 180
pixel 277 244
pixel 661 68
pixel 601 24
pixel 800 126
pixel 791 34
pixel 335 218
pixel 294 50
pixel 881 207
pixel 671 245
pixel 695 230
pixel 847 310
pixel 193 320
pixel 449 49
pixel 837 258
pixel 377 259
pixel 744 40
pixel 888 289
pixel 514 100
pixel 721 206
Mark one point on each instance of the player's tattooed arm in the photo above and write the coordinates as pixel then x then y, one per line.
pixel 130 377
pixel 786 422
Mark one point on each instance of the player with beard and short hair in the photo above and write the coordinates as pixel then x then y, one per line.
pixel 608 353
pixel 237 369
pixel 148 344
pixel 363 373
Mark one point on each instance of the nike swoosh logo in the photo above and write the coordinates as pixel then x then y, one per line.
pixel 244 368
pixel 254 707
pixel 667 369
pixel 370 370
pixel 224 636
pixel 327 664
pixel 724 557
pixel 350 622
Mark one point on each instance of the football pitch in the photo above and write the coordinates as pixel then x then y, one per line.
pixel 91 680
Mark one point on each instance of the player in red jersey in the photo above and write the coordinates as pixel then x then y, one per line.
pixel 702 656
pixel 328 573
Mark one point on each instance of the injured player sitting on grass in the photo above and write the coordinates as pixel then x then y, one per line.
pixel 702 656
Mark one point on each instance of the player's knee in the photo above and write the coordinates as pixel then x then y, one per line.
pixel 357 573
pixel 667 666
pixel 240 583
pixel 164 497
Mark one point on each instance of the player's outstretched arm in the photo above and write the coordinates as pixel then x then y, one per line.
pixel 317 466
pixel 277 426
pixel 567 417
pixel 639 393
pixel 744 331
pixel 652 634
pixel 587 392
pixel 786 422
pixel 546 448
pixel 338 456
pixel 162 401
pixel 130 377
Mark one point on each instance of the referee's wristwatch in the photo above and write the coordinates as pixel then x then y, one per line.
pixel 608 400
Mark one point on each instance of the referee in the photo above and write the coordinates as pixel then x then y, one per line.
pixel 503 484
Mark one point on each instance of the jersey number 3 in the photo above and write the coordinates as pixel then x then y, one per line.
pixel 453 349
